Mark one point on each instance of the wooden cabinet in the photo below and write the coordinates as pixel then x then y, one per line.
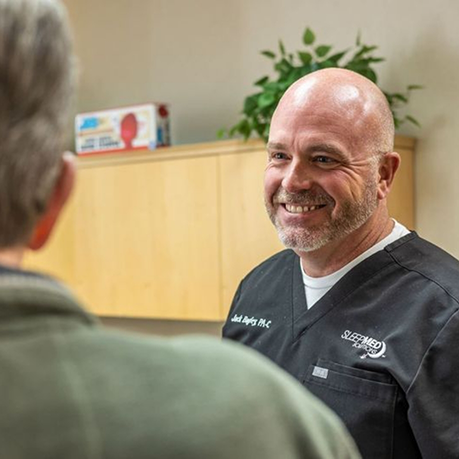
pixel 247 235
pixel 401 198
pixel 169 234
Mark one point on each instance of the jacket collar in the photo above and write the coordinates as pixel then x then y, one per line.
pixel 26 293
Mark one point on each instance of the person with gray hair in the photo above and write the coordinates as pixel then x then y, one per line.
pixel 363 312
pixel 72 389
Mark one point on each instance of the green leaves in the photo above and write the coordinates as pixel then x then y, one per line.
pixel 261 81
pixel 308 37
pixel 221 133
pixel 305 58
pixel 266 99
pixel 322 51
pixel 288 67
pixel 364 70
pixel 283 66
pixel 337 57
pixel 400 97
pixel 364 50
pixel 269 54
pixel 243 127
pixel 250 104
pixel 281 48
pixel 398 101
pixel 412 87
pixel 412 120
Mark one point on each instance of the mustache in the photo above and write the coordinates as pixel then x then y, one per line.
pixel 303 197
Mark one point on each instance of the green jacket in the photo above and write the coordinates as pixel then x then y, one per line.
pixel 71 389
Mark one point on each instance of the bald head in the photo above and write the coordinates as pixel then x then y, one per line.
pixel 330 167
pixel 354 101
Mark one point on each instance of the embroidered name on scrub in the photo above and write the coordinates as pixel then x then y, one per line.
pixel 251 321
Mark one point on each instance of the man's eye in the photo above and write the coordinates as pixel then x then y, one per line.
pixel 324 160
pixel 279 156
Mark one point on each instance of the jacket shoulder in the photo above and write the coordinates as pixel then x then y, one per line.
pixel 275 263
pixel 420 256
pixel 208 392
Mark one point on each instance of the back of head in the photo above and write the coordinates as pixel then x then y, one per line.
pixel 36 87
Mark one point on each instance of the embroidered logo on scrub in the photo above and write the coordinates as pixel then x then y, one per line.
pixel 372 347
pixel 251 321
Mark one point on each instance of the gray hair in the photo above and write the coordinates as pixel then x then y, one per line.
pixel 36 90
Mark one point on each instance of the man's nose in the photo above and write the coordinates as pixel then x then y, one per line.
pixel 297 178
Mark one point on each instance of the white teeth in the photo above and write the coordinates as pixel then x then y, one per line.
pixel 299 209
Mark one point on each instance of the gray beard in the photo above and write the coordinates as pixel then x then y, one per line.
pixel 352 216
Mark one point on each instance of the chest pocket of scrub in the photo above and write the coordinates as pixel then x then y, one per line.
pixel 364 400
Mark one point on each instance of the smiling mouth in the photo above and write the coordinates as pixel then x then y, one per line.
pixel 293 209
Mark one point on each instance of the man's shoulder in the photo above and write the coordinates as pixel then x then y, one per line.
pixel 127 353
pixel 228 390
pixel 195 364
pixel 276 263
pixel 188 369
pixel 193 397
pixel 280 257
pixel 219 361
pixel 417 255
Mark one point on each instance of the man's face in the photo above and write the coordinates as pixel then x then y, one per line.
pixel 320 181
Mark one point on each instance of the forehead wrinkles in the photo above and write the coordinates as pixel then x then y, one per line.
pixel 323 130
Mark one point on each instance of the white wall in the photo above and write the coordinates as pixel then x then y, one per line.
pixel 202 57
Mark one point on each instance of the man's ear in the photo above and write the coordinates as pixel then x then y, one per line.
pixel 387 169
pixel 59 196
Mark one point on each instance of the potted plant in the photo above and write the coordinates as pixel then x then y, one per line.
pixel 289 67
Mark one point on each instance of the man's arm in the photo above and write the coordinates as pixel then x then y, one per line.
pixel 433 395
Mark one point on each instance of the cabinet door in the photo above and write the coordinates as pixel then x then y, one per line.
pixel 248 237
pixel 143 240
pixel 401 198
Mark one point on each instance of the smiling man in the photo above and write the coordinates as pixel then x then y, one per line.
pixel 326 149
pixel 360 310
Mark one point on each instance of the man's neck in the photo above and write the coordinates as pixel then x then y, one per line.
pixel 336 254
pixel 12 257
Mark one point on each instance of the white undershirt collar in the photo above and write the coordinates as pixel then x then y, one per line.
pixel 317 287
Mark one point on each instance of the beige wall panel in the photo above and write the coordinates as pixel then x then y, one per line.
pixel 401 198
pixel 248 236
